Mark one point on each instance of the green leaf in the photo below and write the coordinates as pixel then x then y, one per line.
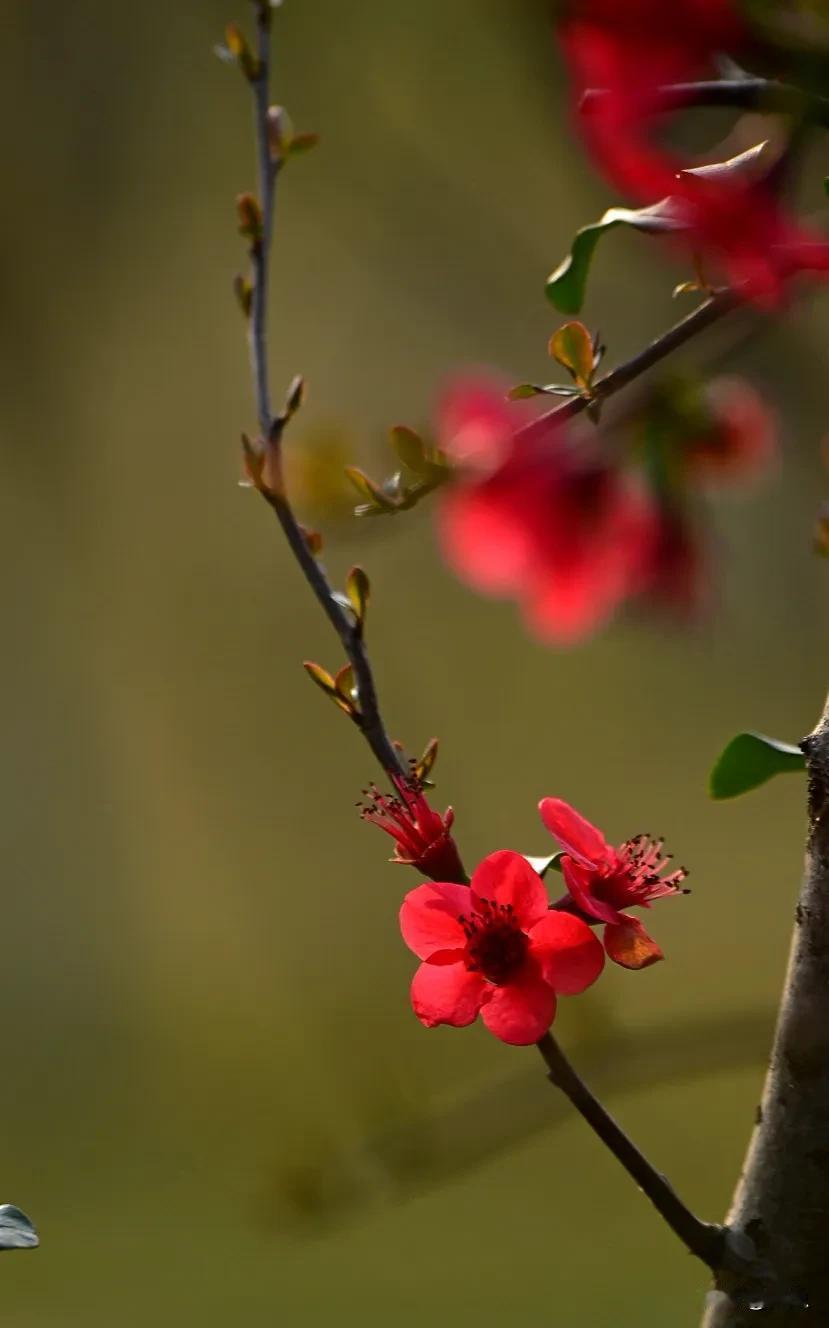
pixel 826 185
pixel 543 865
pixel 16 1231
pixel 572 346
pixel 301 143
pixel 375 499
pixel 566 286
pixel 748 761
pixel 409 447
pixel 522 391
pixel 357 589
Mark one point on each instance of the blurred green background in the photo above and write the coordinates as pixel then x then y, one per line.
pixel 219 1107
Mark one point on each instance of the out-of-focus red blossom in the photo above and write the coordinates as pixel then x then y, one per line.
pixel 740 443
pixel 630 52
pixel 422 836
pixel 603 881
pixel 566 535
pixel 496 949
pixel 476 423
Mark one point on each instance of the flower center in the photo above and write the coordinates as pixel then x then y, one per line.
pixel 495 944
pixel 639 875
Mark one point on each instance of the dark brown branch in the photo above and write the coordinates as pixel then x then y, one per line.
pixel 367 716
pixel 708 1242
pixel 743 94
pixel 782 1200
pixel 721 303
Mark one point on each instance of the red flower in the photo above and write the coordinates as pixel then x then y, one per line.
pixel 603 880
pixel 422 836
pixel 496 949
pixel 741 440
pixel 564 534
pixel 630 53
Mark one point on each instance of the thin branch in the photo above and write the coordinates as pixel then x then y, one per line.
pixel 720 304
pixel 707 1241
pixel 367 716
pixel 744 94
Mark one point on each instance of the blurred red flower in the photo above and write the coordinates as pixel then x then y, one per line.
pixel 496 949
pixel 565 534
pixel 629 53
pixel 740 442
pixel 603 881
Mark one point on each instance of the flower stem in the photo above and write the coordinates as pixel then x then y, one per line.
pixel 704 1239
pixel 743 94
pixel 367 714
pixel 721 302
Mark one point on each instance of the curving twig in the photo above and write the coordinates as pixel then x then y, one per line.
pixel 367 714
pixel 742 94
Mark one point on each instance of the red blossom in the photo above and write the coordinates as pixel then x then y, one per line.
pixel 496 949
pixel 422 836
pixel 564 533
pixel 603 881
pixel 740 442
pixel 630 53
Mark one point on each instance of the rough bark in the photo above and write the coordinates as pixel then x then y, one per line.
pixel 782 1200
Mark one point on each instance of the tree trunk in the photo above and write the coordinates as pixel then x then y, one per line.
pixel 782 1200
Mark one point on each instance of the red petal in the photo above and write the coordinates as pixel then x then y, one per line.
pixel 579 881
pixel 447 994
pixel 566 609
pixel 576 835
pixel 568 953
pixel 520 1012
pixel 630 945
pixel 429 918
pixel 507 878
pixel 484 540
pixel 475 422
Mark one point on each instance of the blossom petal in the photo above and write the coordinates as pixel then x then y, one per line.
pixel 576 835
pixel 580 882
pixel 521 1011
pixel 507 878
pixel 447 994
pixel 475 422
pixel 630 945
pixel 429 918
pixel 484 539
pixel 568 953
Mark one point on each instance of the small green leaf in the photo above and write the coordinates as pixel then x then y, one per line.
pixel 358 590
pixel 409 447
pixel 543 865
pixel 826 185
pixel 294 397
pixel 748 761
pixel 346 689
pixel 522 391
pixel 333 687
pixel 375 499
pixel 423 766
pixel 566 286
pixel 301 143
pixel 572 346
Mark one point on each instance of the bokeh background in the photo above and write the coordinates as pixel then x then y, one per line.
pixel 218 1106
